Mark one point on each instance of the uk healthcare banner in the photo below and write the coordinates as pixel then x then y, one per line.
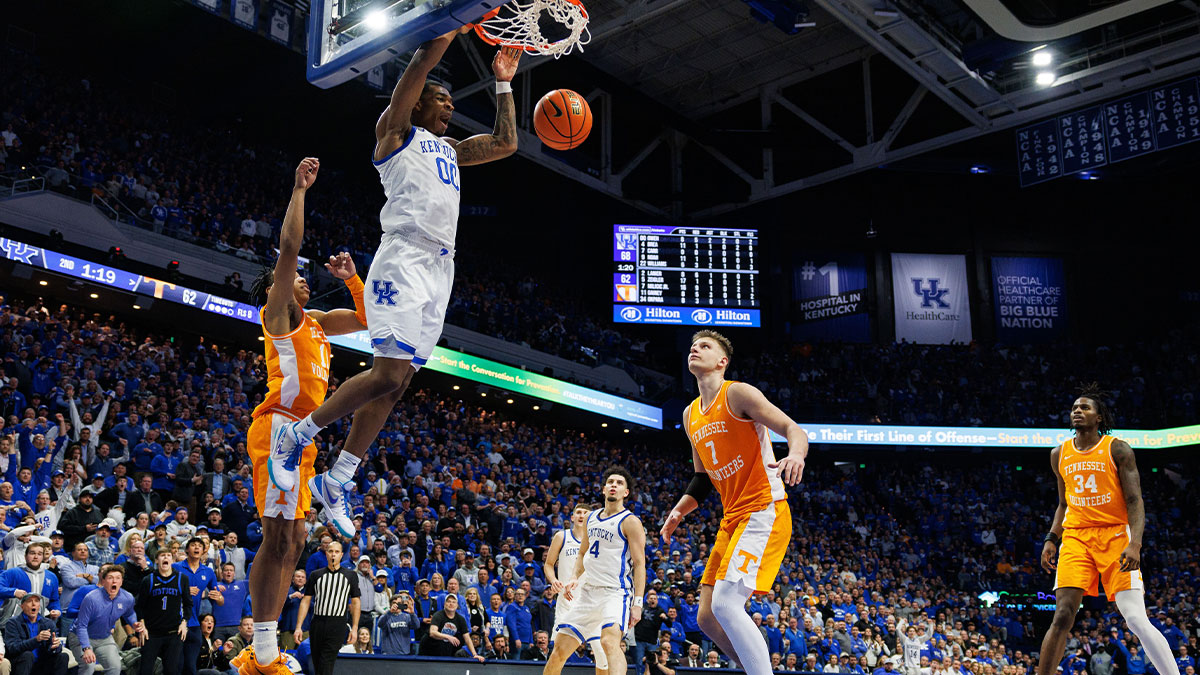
pixel 831 297
pixel 1030 299
pixel 932 303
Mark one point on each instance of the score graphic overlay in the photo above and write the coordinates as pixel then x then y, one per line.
pixel 685 276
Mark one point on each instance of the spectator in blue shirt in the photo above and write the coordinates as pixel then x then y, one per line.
pixel 32 577
pixel 145 451
pixel 394 630
pixel 291 608
pixel 236 603
pixel 31 641
pixel 98 614
pixel 202 584
pixel 404 577
pixel 519 621
pixel 163 467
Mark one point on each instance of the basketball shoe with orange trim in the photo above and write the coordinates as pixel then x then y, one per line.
pixel 247 665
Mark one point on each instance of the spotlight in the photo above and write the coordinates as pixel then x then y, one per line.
pixel 1042 58
pixel 43 282
pixel 261 338
pixel 376 21
pixel 537 407
pixel 483 394
pixel 137 306
pixel 1045 78
pixel 980 169
pixel 509 401
pixel 95 296
pixel 362 363
pixel 626 431
pixel 456 387
pixel 604 425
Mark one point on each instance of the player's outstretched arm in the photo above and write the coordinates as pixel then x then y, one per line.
pixel 1054 538
pixel 394 124
pixel 502 142
pixel 1131 485
pixel 556 544
pixel 748 402
pixel 281 307
pixel 635 534
pixel 343 321
pixel 697 490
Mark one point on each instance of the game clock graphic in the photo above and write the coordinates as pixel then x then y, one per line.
pixel 685 276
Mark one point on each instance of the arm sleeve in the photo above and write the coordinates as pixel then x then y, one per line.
pixel 75 423
pixel 81 622
pixel 355 285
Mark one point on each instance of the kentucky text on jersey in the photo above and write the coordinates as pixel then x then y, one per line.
pixel 595 533
pixel 439 147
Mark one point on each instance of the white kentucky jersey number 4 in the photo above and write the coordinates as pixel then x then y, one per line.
pixel 421 182
pixel 607 562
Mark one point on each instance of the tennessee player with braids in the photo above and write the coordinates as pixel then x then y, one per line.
pixel 1097 532
pixel 298 356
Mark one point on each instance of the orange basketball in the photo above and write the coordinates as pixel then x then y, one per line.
pixel 562 119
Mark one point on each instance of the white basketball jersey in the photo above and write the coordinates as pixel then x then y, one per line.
pixel 606 561
pixel 420 180
pixel 567 556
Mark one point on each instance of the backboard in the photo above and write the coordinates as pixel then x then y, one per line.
pixel 346 38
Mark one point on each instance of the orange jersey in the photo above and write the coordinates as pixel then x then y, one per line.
pixel 1094 494
pixel 297 370
pixel 735 453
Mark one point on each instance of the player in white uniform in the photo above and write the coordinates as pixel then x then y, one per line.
pixel 610 578
pixel 560 570
pixel 408 286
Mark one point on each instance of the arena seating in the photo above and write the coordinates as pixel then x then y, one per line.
pixel 890 539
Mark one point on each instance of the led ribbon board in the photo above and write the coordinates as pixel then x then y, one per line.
pixel 443 360
pixel 983 437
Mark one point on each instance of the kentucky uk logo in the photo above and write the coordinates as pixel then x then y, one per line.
pixel 384 292
pixel 932 296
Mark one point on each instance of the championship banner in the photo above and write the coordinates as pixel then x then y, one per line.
pixel 244 13
pixel 831 298
pixel 280 27
pixel 375 78
pixel 213 6
pixel 1030 299
pixel 931 298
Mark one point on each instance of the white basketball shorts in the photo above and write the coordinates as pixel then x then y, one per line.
pixel 593 609
pixel 407 291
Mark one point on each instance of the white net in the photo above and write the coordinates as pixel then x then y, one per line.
pixel 516 24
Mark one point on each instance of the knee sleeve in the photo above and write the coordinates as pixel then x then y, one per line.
pixel 599 655
pixel 728 605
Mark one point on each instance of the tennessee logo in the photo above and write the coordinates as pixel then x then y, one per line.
pixel 747 559
pixel 384 293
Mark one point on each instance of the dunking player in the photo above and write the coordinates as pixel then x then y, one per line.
pixel 727 427
pixel 1097 532
pixel 610 578
pixel 560 570
pixel 297 377
pixel 413 270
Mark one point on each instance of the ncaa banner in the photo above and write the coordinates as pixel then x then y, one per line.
pixel 931 300
pixel 1030 299
pixel 244 13
pixel 831 297
pixel 280 27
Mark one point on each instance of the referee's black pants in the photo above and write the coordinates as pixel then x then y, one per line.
pixel 169 647
pixel 326 636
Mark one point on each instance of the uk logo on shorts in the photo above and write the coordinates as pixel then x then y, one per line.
pixel 384 292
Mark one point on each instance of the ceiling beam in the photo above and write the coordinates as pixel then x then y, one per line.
pixel 1112 87
pixel 861 27
pixel 815 124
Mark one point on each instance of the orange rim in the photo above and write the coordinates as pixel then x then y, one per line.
pixel 486 37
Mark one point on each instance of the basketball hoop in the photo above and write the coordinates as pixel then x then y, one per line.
pixel 516 25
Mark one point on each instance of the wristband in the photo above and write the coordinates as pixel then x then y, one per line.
pixel 503 87
pixel 1053 538
pixel 637 602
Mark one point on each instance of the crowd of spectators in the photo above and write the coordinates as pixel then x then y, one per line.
pixel 203 184
pixel 459 501
pixel 1154 383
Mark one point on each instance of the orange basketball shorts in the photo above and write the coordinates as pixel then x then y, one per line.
pixel 1091 555
pixel 750 548
pixel 272 501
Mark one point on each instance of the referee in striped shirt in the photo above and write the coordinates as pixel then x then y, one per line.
pixel 329 591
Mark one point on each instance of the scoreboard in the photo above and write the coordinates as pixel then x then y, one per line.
pixel 685 276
